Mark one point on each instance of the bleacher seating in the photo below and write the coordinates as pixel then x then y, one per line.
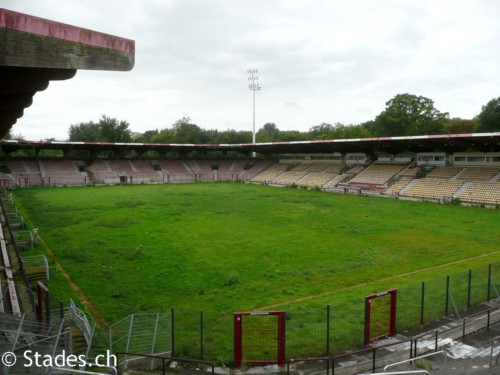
pixel 334 168
pixel 301 167
pixel 335 181
pixel 478 173
pixel 432 188
pixel 61 172
pixel 315 179
pixel 443 172
pixel 143 172
pixel 288 178
pixel 481 192
pixel 410 171
pixel 270 173
pixel 22 173
pixel 100 172
pixel 255 169
pixel 397 186
pixel 317 167
pixel 200 166
pixel 377 174
pixel 358 168
pixel 175 170
pixel 230 170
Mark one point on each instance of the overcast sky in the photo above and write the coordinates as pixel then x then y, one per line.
pixel 319 61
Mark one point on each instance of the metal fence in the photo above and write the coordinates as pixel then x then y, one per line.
pixel 21 334
pixel 142 333
pixel 310 332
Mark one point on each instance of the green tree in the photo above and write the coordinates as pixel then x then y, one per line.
pixel 107 129
pixel 268 133
pixel 321 131
pixel 163 136
pixel 369 126
pixel 338 131
pixel 459 126
pixel 489 118
pixel 351 131
pixel 232 136
pixel 188 133
pixel 148 135
pixel 407 114
pixel 291 136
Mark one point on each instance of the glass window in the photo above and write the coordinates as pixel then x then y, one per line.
pixel 475 158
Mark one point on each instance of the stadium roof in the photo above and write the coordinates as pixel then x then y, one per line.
pixel 35 51
pixel 475 142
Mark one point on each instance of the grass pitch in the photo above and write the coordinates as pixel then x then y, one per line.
pixel 229 247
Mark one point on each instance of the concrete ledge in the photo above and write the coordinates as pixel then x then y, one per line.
pixel 28 41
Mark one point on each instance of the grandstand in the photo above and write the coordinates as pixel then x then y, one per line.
pixel 469 184
pixel 111 171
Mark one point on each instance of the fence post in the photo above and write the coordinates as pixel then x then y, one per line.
pixel 488 297
pixel 327 329
pixel 469 289
pixel 155 333
pixel 61 309
pixel 201 335
pixel 47 308
pixel 172 336
pixel 422 303
pixel 129 334
pixel 110 339
pixel 447 295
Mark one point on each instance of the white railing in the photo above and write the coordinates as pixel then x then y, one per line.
pixel 81 322
pixel 413 360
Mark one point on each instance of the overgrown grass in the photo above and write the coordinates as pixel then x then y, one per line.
pixel 226 247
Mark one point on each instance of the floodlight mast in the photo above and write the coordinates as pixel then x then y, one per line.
pixel 254 86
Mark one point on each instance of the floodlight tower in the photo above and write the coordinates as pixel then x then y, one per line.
pixel 253 85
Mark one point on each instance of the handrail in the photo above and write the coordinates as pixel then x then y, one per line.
pixel 485 312
pixel 436 336
pixel 495 339
pixel 81 321
pixel 373 350
pixel 417 358
pixel 163 359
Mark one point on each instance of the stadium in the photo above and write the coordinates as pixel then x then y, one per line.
pixel 181 264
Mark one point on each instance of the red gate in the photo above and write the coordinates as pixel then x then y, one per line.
pixel 380 315
pixel 259 337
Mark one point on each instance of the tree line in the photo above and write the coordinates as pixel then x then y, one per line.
pixel 404 115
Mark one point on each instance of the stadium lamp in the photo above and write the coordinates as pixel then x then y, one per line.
pixel 254 86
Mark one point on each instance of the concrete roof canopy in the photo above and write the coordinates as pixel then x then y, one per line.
pixel 35 51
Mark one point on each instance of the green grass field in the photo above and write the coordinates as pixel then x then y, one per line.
pixel 226 247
